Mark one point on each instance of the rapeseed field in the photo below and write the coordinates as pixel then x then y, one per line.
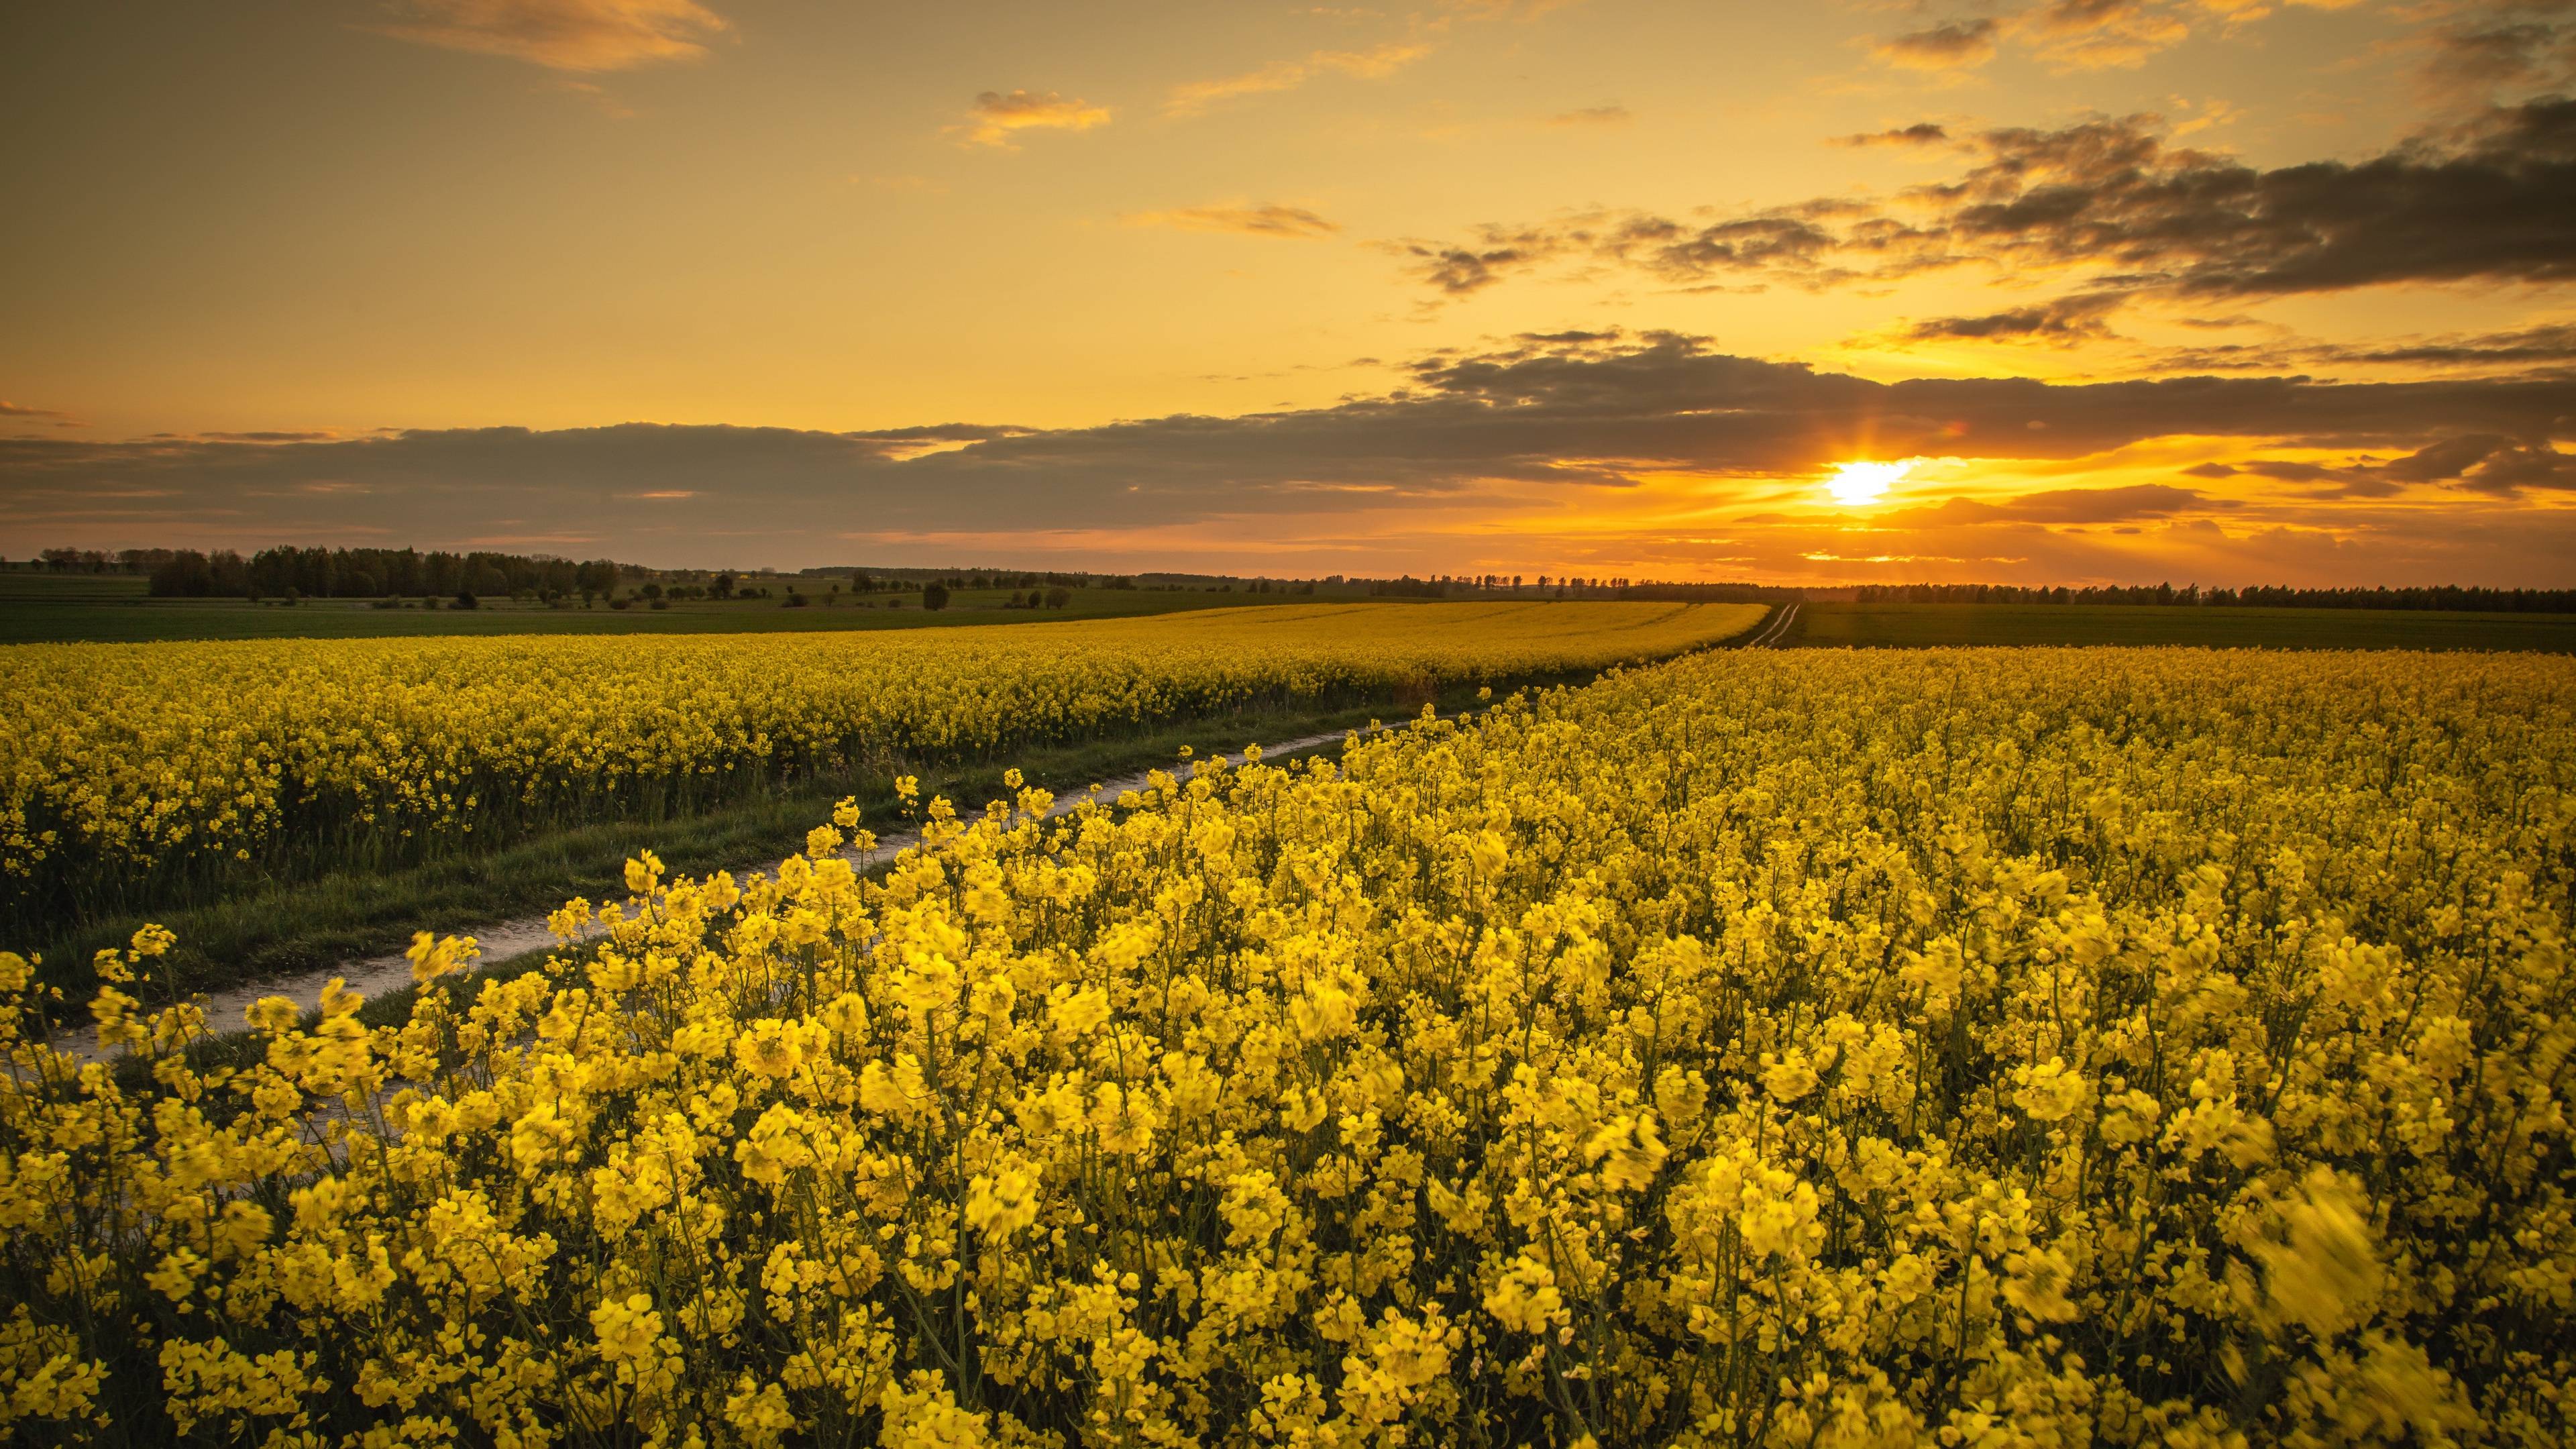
pixel 2042 1048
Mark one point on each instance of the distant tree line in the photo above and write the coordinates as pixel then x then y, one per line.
pixel 369 573
pixel 863 582
pixel 1568 586
pixel 363 573
pixel 2438 596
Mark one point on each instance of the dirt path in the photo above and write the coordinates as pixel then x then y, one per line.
pixel 501 940
pixel 1777 630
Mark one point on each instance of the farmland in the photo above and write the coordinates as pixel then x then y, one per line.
pixel 1780 1047
pixel 113 608
pixel 1828 624
pixel 189 775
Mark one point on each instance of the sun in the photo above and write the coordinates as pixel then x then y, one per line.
pixel 1865 482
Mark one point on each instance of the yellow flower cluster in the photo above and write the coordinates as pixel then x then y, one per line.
pixel 177 763
pixel 2038 1048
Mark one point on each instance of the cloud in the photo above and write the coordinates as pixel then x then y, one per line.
pixel 997 116
pixel 2064 322
pixel 55 416
pixel 2480 462
pixel 1921 133
pixel 2543 348
pixel 583 36
pixel 2496 200
pixel 1374 63
pixel 1269 221
pixel 2487 462
pixel 2476 52
pixel 2114 208
pixel 1460 271
pixel 2080 35
pixel 273 436
pixel 2073 35
pixel 1958 45
pixel 2546 343
pixel 1612 115
pixel 1790 242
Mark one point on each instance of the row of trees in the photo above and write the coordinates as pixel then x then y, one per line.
pixel 370 573
pixel 1448 586
pixel 861 581
pixel 363 573
pixel 2442 596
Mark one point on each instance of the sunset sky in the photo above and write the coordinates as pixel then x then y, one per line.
pixel 2122 290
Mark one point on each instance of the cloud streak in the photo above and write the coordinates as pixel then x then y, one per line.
pixel 1294 222
pixel 580 36
pixel 55 416
pixel 998 117
pixel 1958 45
pixel 1375 63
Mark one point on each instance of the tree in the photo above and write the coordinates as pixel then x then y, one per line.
pixel 724 586
pixel 1058 597
pixel 465 599
pixel 934 595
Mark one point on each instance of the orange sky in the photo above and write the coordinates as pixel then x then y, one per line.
pixel 1488 285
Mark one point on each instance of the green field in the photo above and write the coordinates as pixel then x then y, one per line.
pixel 1915 626
pixel 37 608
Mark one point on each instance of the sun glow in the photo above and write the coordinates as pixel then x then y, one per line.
pixel 1865 482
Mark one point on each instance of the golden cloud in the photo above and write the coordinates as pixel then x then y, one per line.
pixel 1375 63
pixel 996 115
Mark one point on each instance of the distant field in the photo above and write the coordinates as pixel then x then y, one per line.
pixel 17 586
pixel 1906 626
pixel 113 608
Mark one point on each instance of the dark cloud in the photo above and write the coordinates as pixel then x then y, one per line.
pixel 2487 462
pixel 2064 321
pixel 2447 459
pixel 1956 45
pixel 2283 470
pixel 2480 462
pixel 2111 201
pixel 2555 342
pixel 1549 411
pixel 1613 115
pixel 2542 349
pixel 1497 253
pixel 2495 201
pixel 2326 482
pixel 1780 242
pixel 272 436
pixel 2480 51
